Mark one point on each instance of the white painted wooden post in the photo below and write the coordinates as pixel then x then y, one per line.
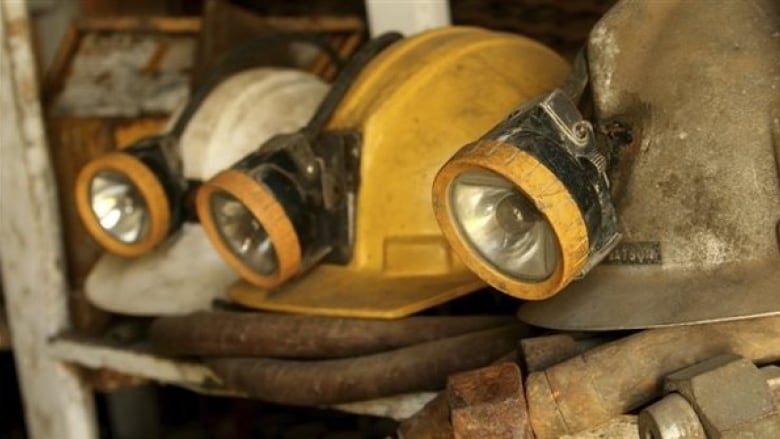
pixel 57 404
pixel 406 16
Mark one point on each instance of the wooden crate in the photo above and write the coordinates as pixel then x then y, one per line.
pixel 226 25
pixel 187 27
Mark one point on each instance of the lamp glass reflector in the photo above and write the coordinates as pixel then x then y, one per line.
pixel 119 206
pixel 503 226
pixel 245 236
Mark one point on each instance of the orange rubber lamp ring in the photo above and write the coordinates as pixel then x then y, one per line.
pixel 539 185
pixel 267 211
pixel 151 190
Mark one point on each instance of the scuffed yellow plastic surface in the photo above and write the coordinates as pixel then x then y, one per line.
pixel 416 104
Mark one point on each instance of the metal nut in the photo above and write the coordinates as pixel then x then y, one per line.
pixel 731 397
pixel 489 402
pixel 772 376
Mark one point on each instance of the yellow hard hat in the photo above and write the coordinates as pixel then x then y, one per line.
pixel 401 117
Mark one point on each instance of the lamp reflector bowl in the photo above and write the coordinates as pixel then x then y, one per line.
pixel 243 233
pixel 119 206
pixel 504 226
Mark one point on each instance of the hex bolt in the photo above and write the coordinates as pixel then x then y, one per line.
pixel 730 395
pixel 723 397
pixel 772 375
pixel 618 377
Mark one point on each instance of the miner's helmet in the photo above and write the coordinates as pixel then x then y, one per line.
pixel 337 219
pixel 685 174
pixel 131 200
pixel 183 273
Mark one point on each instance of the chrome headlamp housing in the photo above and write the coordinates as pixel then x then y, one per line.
pixel 119 206
pixel 503 225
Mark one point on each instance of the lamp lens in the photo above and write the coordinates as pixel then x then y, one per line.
pixel 504 226
pixel 119 206
pixel 245 236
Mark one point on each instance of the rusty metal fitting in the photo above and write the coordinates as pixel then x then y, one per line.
pixel 433 422
pixel 489 402
pixel 619 427
pixel 724 397
pixel 619 377
pixel 539 353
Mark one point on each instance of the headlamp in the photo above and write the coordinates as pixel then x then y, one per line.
pixel 184 272
pixel 128 200
pixel 283 208
pixel 132 200
pixel 290 204
pixel 527 206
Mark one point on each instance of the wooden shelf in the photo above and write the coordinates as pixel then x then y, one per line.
pixel 96 354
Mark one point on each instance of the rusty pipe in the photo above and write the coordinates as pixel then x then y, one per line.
pixel 618 377
pixel 539 353
pixel 415 368
pixel 224 333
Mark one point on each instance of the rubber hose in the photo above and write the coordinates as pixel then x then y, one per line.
pixel 416 368
pixel 305 337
